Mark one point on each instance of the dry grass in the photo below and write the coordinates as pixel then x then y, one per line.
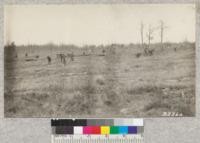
pixel 117 84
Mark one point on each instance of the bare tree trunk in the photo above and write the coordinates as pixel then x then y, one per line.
pixel 149 39
pixel 141 31
pixel 161 33
pixel 162 27
pixel 150 35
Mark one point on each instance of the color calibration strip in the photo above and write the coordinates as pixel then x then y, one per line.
pixel 97 126
pixel 97 131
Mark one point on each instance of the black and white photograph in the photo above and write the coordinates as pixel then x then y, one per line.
pixel 99 60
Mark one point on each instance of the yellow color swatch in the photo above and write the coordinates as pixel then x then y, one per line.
pixel 105 130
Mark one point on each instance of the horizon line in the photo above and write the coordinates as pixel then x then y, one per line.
pixel 84 45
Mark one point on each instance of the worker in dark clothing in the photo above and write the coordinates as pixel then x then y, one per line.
pixel 49 59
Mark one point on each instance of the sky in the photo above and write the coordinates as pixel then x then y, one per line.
pixel 97 24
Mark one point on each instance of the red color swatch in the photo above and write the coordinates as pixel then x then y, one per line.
pixel 91 130
pixel 96 130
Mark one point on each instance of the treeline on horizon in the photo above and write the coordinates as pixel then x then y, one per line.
pixel 72 46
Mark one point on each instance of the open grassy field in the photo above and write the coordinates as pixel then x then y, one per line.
pixel 122 82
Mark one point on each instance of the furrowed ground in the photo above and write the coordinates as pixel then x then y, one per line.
pixel 122 82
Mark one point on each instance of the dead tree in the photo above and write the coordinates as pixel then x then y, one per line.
pixel 162 27
pixel 149 37
pixel 142 33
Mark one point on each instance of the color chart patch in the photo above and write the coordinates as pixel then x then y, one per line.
pixel 94 130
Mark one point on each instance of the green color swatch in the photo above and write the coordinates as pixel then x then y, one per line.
pixel 114 130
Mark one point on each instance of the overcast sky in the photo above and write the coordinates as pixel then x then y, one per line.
pixel 97 24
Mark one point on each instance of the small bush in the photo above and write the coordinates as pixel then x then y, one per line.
pixel 100 81
pixel 13 110
pixel 151 52
pixel 138 55
pixel 148 52
pixel 145 89
pixel 156 105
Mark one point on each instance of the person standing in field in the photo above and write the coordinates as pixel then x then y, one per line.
pixel 63 59
pixel 72 56
pixel 49 59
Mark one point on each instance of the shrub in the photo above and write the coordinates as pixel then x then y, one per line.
pixel 138 55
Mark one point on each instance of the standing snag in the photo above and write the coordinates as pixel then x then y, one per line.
pixel 150 38
pixel 142 33
pixel 162 27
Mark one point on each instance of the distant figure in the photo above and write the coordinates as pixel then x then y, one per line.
pixel 49 59
pixel 37 56
pixel 103 51
pixel 59 57
pixel 64 59
pixel 146 51
pixel 26 55
pixel 72 56
pixel 175 49
pixel 151 52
